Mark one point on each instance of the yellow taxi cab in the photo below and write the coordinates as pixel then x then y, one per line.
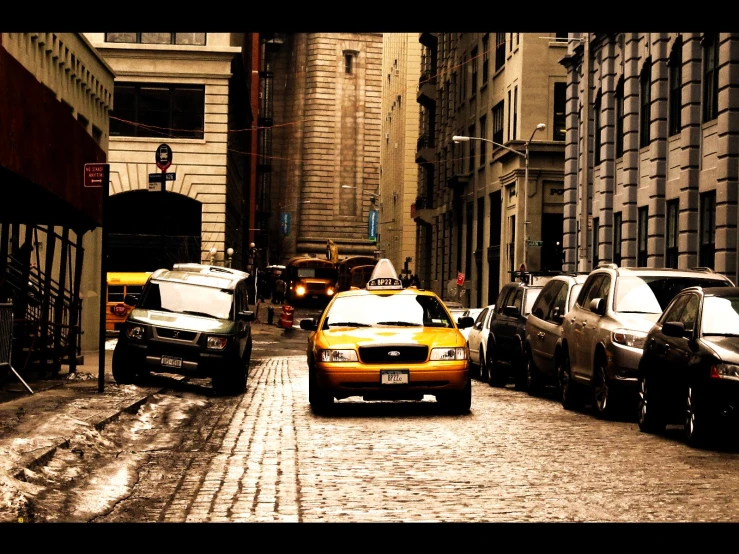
pixel 386 342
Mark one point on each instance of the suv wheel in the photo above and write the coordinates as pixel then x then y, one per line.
pixel 602 389
pixel 497 376
pixel 520 376
pixel 696 428
pixel 122 370
pixel 568 393
pixel 650 420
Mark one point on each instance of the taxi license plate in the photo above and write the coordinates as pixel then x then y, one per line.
pixel 394 377
pixel 169 361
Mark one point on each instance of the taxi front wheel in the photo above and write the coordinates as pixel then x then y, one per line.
pixel 458 402
pixel 320 401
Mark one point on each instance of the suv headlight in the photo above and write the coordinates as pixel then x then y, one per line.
pixel 135 332
pixel 338 355
pixel 216 343
pixel 300 290
pixel 459 353
pixel 725 371
pixel 629 337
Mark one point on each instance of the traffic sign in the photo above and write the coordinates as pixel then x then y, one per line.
pixel 157 177
pixel 163 156
pixel 96 174
pixel 536 243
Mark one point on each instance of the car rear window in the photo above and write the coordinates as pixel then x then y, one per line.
pixel 651 294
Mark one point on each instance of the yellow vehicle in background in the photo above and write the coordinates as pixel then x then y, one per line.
pixel 119 285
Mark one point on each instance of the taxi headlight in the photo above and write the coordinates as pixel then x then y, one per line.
pixel 338 355
pixel 135 332
pixel 629 337
pixel 459 353
pixel 216 343
pixel 300 290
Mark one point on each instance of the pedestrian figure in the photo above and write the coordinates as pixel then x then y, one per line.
pixel 279 295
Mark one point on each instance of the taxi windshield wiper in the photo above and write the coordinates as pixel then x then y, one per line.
pixel 348 324
pixel 399 323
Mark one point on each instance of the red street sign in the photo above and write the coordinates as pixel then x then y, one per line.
pixel 163 156
pixel 460 278
pixel 96 175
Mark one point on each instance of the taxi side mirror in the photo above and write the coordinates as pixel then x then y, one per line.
pixel 309 324
pixel 464 322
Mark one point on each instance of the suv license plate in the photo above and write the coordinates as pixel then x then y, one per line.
pixel 394 377
pixel 169 361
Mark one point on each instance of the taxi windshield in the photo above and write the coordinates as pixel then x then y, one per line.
pixel 377 310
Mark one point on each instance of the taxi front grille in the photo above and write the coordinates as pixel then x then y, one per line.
pixel 407 354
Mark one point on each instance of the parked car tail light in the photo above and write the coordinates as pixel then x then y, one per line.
pixel 725 371
pixel 338 355
pixel 459 353
pixel 216 343
pixel 135 332
pixel 629 337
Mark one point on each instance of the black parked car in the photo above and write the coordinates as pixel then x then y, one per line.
pixel 689 369
pixel 505 354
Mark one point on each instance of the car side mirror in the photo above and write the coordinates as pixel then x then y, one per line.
pixel 247 315
pixel 673 329
pixel 598 306
pixel 511 311
pixel 309 324
pixel 464 322
pixel 130 299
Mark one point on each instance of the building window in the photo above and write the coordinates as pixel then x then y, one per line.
pixel 515 113
pixel 511 250
pixel 597 129
pixel 499 50
pixel 97 134
pixel 561 37
pixel 472 148
pixel 197 39
pixel 485 59
pixel 348 63
pixel 710 77
pixel 474 71
pixel 498 112
pixel 157 110
pixel 559 123
pixel 671 233
pixel 617 226
pixel 483 143
pixel 463 92
pixel 596 230
pixel 676 79
pixel 645 98
pixel 510 116
pixel 706 254
pixel 620 118
pixel 641 247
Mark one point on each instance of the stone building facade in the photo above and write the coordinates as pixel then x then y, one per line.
pixel 401 68
pixel 651 157
pixel 324 142
pixel 496 89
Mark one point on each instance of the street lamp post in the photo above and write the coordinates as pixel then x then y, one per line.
pixel 525 155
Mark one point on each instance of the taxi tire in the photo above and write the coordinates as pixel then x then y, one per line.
pixel 320 401
pixel 458 402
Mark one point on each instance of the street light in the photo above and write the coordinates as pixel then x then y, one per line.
pixel 230 254
pixel 213 251
pixel 525 155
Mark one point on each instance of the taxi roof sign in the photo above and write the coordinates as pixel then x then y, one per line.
pixel 384 276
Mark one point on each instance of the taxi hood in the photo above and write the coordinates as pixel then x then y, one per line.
pixel 351 337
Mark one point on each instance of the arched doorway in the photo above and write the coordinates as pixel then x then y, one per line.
pixel 148 230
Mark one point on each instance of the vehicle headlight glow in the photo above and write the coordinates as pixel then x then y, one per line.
pixel 629 337
pixel 330 291
pixel 300 290
pixel 725 371
pixel 458 353
pixel 135 332
pixel 216 343
pixel 338 355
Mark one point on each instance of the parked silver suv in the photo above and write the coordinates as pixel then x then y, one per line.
pixel 604 332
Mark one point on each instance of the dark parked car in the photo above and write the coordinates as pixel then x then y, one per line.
pixel 508 330
pixel 191 320
pixel 604 333
pixel 689 371
pixel 544 329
